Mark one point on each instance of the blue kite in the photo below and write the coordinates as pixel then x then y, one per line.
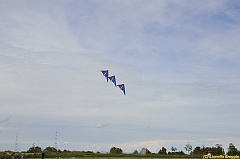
pixel 122 87
pixel 113 79
pixel 105 73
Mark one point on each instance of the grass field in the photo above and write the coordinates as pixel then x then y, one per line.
pixel 118 158
pixel 111 158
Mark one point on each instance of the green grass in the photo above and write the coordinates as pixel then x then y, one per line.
pixel 115 158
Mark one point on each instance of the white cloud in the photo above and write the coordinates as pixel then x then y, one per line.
pixel 38 26
pixel 101 125
pixel 5 118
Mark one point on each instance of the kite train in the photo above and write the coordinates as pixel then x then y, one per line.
pixel 113 80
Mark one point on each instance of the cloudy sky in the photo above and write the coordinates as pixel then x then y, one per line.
pixel 179 61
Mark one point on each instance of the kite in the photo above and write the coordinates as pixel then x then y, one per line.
pixel 105 73
pixel 113 79
pixel 121 86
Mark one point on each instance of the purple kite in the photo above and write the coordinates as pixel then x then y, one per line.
pixel 105 73
pixel 113 79
pixel 121 86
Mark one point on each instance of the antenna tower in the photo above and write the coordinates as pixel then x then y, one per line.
pixel 16 144
pixel 56 141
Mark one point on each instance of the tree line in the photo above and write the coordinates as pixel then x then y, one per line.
pixel 198 151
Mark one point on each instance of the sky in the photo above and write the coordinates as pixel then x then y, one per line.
pixel 179 61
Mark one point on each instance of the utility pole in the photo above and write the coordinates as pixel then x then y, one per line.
pixel 56 141
pixel 16 144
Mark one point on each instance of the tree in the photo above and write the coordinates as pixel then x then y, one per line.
pixel 232 150
pixel 162 151
pixel 219 150
pixel 148 151
pixel 145 151
pixel 135 152
pixel 50 149
pixel 188 147
pixel 173 149
pixel 204 149
pixel 34 149
pixel 115 150
pixel 197 151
